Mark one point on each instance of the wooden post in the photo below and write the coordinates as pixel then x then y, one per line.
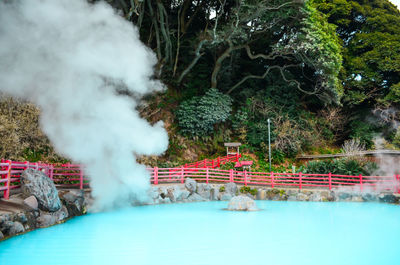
pixel 330 180
pixel 219 162
pixel 205 162
pixel 155 173
pixel 272 179
pixel 7 191
pixel 212 163
pixel 237 157
pixel 300 175
pixel 207 175
pixel 398 186
pixel 182 175
pixel 80 177
pixel 245 178
pixel 361 182
pixel 230 175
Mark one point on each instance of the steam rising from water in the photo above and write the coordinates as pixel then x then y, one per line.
pixel 68 57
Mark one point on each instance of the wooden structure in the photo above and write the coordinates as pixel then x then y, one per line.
pixel 232 148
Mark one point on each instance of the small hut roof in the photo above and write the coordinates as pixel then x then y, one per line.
pixel 232 144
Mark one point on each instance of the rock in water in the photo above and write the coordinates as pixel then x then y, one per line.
pixel 242 203
pixel 36 183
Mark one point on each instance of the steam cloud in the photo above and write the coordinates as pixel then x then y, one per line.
pixel 69 57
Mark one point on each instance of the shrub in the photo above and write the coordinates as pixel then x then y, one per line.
pixel 197 116
pixel 340 167
pixel 246 189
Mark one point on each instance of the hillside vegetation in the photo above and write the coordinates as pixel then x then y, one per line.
pixel 323 71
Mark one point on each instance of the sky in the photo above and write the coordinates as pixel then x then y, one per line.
pixel 396 3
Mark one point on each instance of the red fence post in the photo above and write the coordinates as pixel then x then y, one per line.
pixel 398 186
pixel 207 175
pixel 230 175
pixel 182 175
pixel 237 157
pixel 219 162
pixel 51 170
pixel 330 180
pixel 272 179
pixel 300 175
pixel 245 178
pixel 7 191
pixel 80 177
pixel 361 182
pixel 155 173
pixel 212 163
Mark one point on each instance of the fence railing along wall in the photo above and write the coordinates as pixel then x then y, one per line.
pixel 71 175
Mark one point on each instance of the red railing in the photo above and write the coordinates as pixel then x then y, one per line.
pixel 63 175
pixel 271 179
pixel 70 175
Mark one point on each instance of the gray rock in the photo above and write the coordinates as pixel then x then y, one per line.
pixel 301 197
pixel 315 197
pixel 388 198
pixel 226 197
pixel 74 201
pixel 369 197
pixel 292 198
pixel 242 203
pixel 357 199
pixel 191 185
pixel 45 220
pixel 21 217
pixel 261 195
pixel 16 228
pixel 184 195
pixel 1 235
pixel 31 202
pixel 231 188
pixel 343 196
pixel 204 190
pixel 195 198
pixel 215 193
pixel 36 183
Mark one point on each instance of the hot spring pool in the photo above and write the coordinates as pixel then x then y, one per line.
pixel 201 233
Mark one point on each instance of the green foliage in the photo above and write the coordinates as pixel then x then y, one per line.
pixel 247 189
pixel 222 189
pixel 339 167
pixel 197 116
pixel 364 131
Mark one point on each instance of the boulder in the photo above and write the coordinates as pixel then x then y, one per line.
pixel 231 188
pixel 73 200
pixel 388 198
pixel 215 193
pixel 315 197
pixel 242 203
pixel 302 197
pixel 36 183
pixel 225 196
pixel 261 195
pixel 1 235
pixel 357 199
pixel 195 198
pixel 45 220
pixel 16 228
pixel 191 185
pixel 183 196
pixel 31 202
pixel 204 190
pixel 369 197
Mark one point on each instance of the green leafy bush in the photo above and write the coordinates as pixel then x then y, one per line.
pixel 246 189
pixel 197 116
pixel 340 167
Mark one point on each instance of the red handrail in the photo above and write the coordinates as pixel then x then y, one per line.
pixel 72 175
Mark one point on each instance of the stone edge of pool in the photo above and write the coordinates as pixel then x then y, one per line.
pixel 16 217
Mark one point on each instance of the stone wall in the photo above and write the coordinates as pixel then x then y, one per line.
pixel 38 213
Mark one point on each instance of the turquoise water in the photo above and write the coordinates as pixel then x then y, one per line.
pixel 282 233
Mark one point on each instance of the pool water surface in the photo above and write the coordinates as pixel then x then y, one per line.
pixel 282 233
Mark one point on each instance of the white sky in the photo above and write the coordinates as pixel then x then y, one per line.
pixel 396 2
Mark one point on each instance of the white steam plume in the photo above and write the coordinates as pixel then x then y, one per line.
pixel 67 56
